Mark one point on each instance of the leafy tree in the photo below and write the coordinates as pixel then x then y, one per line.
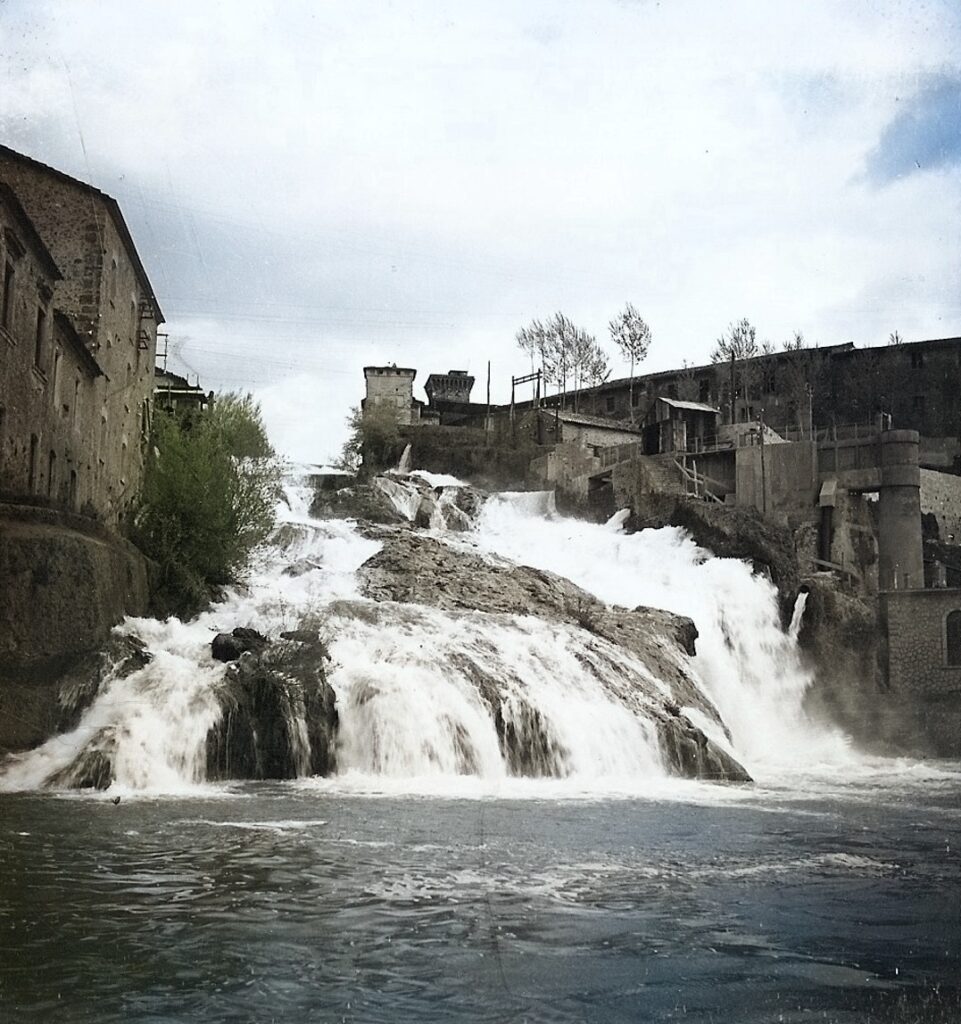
pixel 632 336
pixel 210 490
pixel 372 441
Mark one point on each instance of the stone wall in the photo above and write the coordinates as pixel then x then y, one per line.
pixel 779 479
pixel 916 666
pixel 67 581
pixel 941 497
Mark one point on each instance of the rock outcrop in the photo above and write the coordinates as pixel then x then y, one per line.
pixel 416 569
pixel 279 716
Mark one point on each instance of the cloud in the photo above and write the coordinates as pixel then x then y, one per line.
pixel 314 186
pixel 925 135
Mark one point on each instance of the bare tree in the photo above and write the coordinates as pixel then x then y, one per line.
pixel 533 339
pixel 738 346
pixel 633 337
pixel 795 343
pixel 688 389
pixel 894 338
pixel 739 342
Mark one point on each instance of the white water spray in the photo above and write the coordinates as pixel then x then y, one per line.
pixel 425 693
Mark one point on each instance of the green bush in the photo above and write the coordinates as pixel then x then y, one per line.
pixel 374 440
pixel 210 490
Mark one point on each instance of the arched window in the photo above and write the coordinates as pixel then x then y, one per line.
pixel 952 638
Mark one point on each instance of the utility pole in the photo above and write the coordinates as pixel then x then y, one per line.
pixel 487 420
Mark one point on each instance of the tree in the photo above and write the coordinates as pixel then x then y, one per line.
pixel 210 491
pixel 372 441
pixel 795 343
pixel 633 337
pixel 534 340
pixel 739 343
pixel 737 347
pixel 894 338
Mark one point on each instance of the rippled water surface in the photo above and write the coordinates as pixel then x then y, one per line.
pixel 811 900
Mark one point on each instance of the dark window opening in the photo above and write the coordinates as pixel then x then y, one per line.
pixel 6 313
pixel 952 638
pixel 32 471
pixel 636 397
pixel 38 345
pixel 611 403
pixel 51 471
pixel 704 391
pixel 917 360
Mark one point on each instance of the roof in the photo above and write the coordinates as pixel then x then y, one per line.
pixel 677 403
pixel 112 206
pixel 86 356
pixel 593 421
pixel 9 198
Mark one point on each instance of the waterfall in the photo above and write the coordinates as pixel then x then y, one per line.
pixel 748 665
pixel 422 692
pixel 404 465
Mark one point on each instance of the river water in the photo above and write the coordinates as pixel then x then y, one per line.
pixel 812 899
pixel 408 888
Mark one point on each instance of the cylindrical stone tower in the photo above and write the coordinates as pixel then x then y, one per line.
pixel 900 553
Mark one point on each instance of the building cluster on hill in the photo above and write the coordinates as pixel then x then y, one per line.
pixel 857 452
pixel 78 337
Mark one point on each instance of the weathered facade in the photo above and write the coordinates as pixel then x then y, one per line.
pixel 913 386
pixel 390 391
pixel 76 439
pixel 453 386
pixel 176 394
pixel 923 654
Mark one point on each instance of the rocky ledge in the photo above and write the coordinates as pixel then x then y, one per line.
pixel 417 569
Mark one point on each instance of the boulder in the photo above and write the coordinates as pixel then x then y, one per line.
pixel 279 715
pixel 230 646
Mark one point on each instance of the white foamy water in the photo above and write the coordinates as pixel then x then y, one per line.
pixel 428 699
pixel 750 667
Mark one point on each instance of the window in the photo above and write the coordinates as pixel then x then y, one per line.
pixel 6 313
pixel 636 397
pixel 51 473
pixel 917 360
pixel 32 472
pixel 38 343
pixel 952 639
pixel 611 403
pixel 76 401
pixel 704 391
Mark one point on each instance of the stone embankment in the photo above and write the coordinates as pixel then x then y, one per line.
pixel 65 581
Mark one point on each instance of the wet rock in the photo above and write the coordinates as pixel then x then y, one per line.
pixel 92 769
pixel 230 646
pixel 279 715
pixel 301 636
pixel 687 751
pixel 301 567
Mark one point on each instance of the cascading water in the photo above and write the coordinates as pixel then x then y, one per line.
pixel 424 692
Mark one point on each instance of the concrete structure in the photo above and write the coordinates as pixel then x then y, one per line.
pixel 390 392
pixel 93 446
pixel 923 662
pixel 453 386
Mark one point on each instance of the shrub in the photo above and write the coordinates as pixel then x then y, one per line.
pixel 210 490
pixel 373 440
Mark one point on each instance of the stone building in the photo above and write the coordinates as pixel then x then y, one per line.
pixel 390 390
pixel 922 667
pixel 88 325
pixel 453 386
pixel 912 386
pixel 176 394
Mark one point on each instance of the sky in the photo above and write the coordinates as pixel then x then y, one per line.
pixel 318 186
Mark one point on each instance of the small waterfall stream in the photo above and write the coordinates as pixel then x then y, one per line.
pixel 425 692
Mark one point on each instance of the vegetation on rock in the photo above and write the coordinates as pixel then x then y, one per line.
pixel 210 489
